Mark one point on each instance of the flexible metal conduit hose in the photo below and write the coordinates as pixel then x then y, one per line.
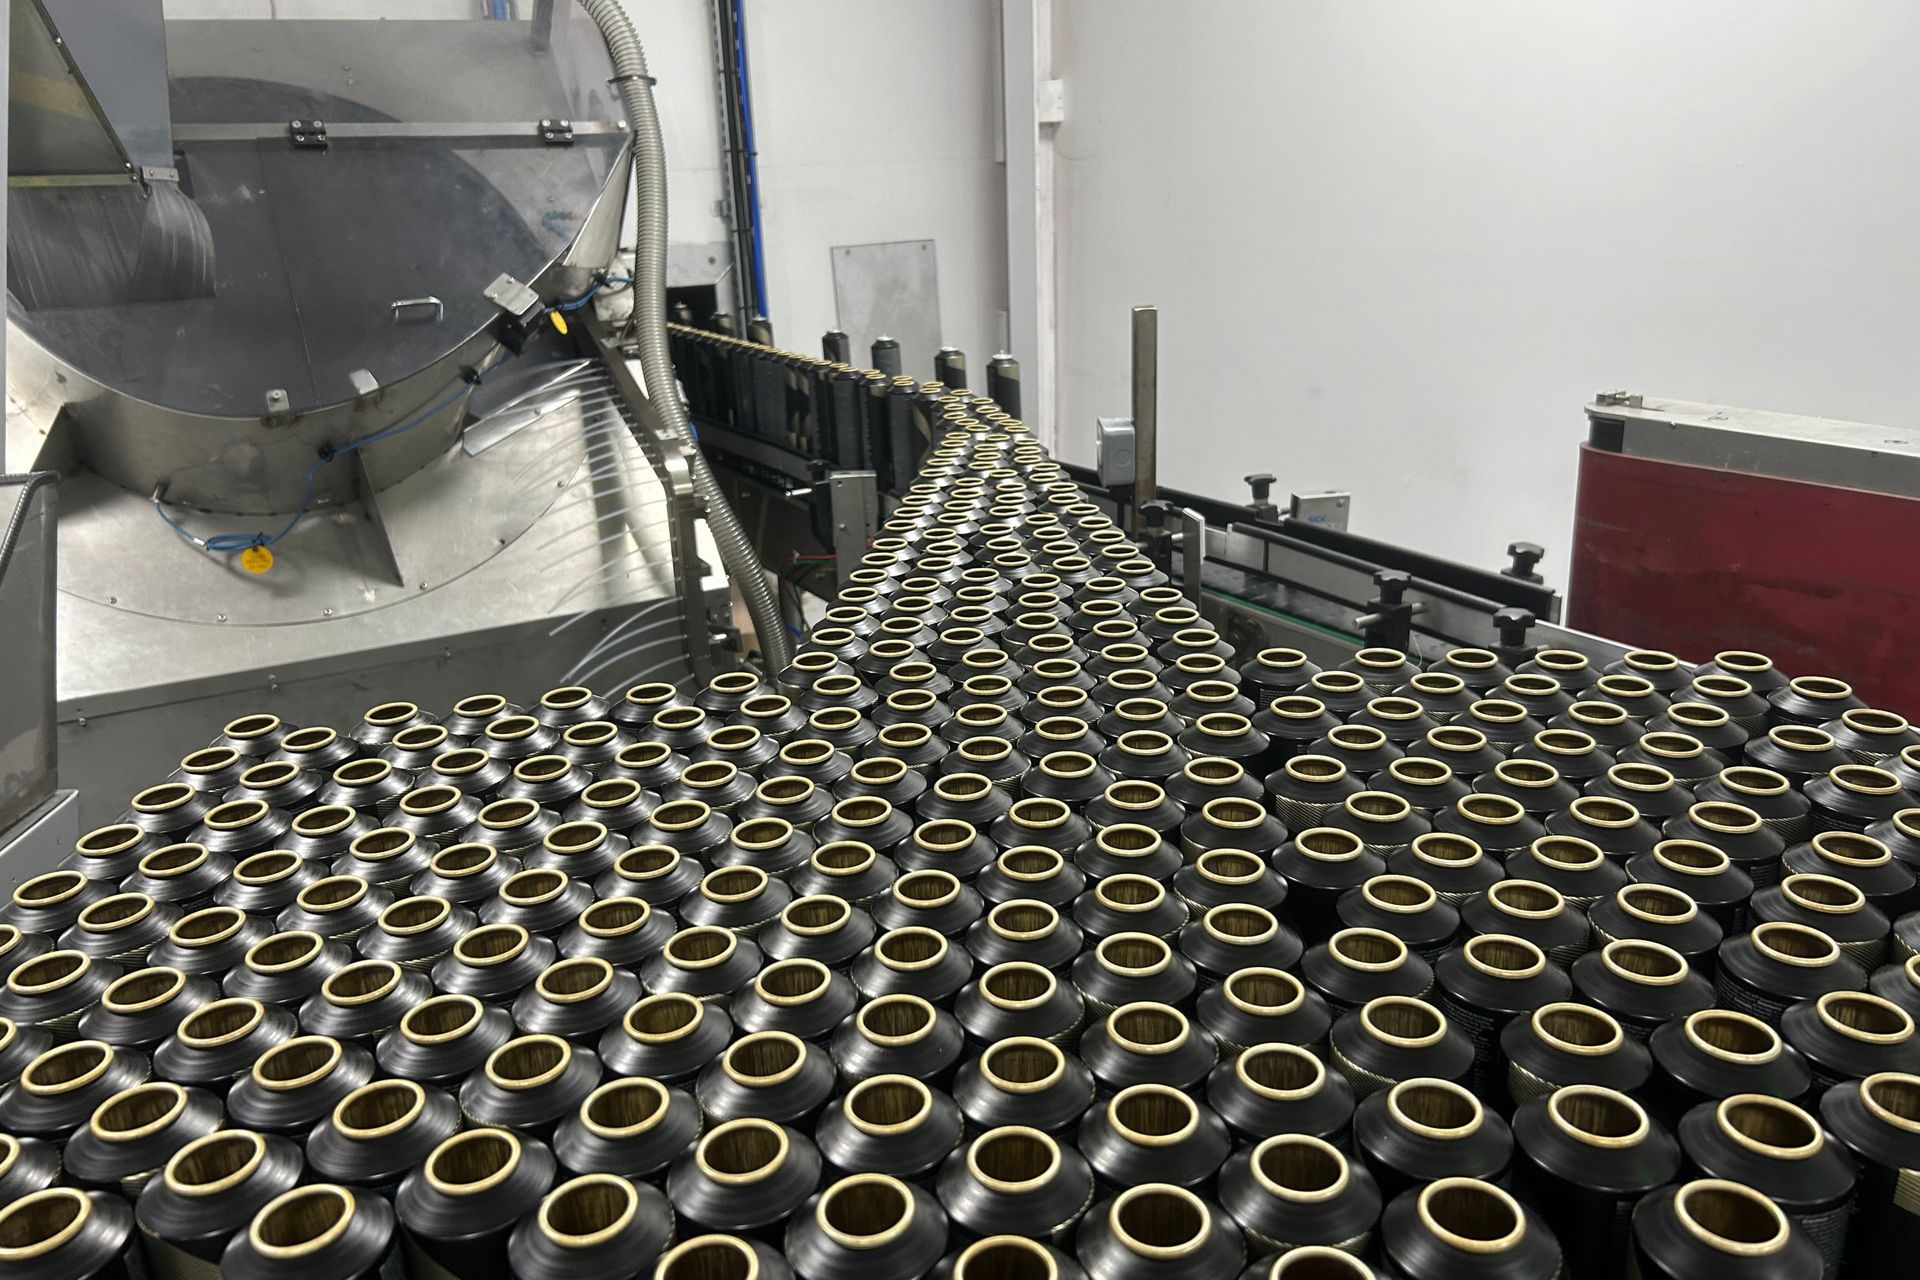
pixel 650 317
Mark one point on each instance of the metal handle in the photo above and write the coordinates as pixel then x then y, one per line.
pixel 400 307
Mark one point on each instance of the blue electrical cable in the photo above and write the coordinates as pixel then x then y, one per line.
pixel 224 543
pixel 753 158
pixel 227 543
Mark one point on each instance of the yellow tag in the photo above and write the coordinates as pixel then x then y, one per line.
pixel 256 559
pixel 559 321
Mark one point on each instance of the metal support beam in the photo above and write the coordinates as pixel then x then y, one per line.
pixel 1146 419
pixel 1026 62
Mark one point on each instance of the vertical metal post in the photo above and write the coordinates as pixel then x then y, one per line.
pixel 1146 390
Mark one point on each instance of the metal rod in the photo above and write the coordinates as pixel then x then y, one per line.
pixel 1146 390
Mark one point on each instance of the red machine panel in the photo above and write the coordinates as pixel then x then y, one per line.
pixel 1695 559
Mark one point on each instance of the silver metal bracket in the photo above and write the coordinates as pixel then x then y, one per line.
pixel 853 504
pixel 1115 452
pixel 1328 508
pixel 511 296
pixel 1192 543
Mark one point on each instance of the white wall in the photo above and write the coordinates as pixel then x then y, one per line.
pixel 1396 246
pixel 876 122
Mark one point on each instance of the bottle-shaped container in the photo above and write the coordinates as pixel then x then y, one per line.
pixel 1642 984
pixel 1132 967
pixel 120 929
pixel 1019 998
pixel 208 1190
pixel 1773 796
pixel 657 873
pixel 1530 910
pixel 137 1010
pixel 1219 877
pixel 530 1083
pixel 1781 1151
pixel 1015 1180
pixel 1121 904
pixel 1717 1054
pixel 1488 982
pixel 1703 873
pixel 459 1206
pixel 1658 913
pixel 1307 788
pixel 576 999
pixel 1564 1044
pixel 1764 971
pixel 1274 1089
pixel 1577 869
pixel 363 1001
pixel 890 1124
pixel 380 1131
pixel 296 1084
pixel 1263 1006
pixel 1612 825
pixel 1461 747
pixel 745 1177
pixel 1863 861
pixel 1319 865
pixel 57 1090
pixel 1405 907
pixel 50 904
pixel 1031 873
pixel 1456 1228
pixel 704 961
pixel 1295 1191
pixel 442 1039
pixel 1703 1226
pixel 132 1134
pixel 1584 1156
pixel 286 968
pixel 1358 965
pixel 899 1035
pixel 1828 905
pixel 1454 867
pixel 1878 1121
pixel 1423 1129
pixel 1853 797
pixel 1850 1035
pixel 1650 788
pixel 415 932
pixel 338 908
pixel 1153 1133
pixel 1395 1038
pixel 1158 1230
pixel 1237 936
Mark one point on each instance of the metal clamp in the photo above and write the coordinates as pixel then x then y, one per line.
pixel 558 133
pixel 400 306
pixel 308 135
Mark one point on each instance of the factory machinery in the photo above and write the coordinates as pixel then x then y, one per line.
pixel 1021 925
pixel 1112 883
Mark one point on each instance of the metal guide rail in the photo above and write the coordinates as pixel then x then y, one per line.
pixel 825 433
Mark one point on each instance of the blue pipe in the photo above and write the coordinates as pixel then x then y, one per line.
pixel 759 264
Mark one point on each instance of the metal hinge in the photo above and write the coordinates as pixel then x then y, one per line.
pixel 558 133
pixel 308 134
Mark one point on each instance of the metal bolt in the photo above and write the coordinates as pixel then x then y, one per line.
pixel 326 613
pixel 219 617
